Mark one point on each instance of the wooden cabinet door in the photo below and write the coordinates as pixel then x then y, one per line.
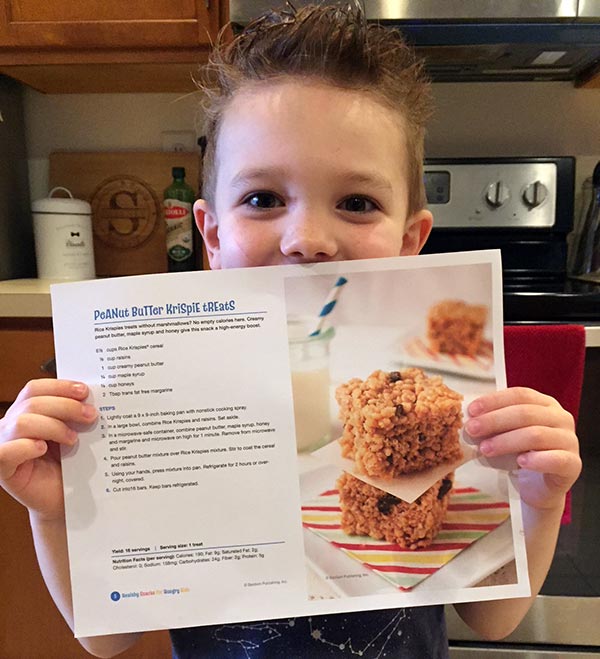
pixel 26 347
pixel 30 625
pixel 85 24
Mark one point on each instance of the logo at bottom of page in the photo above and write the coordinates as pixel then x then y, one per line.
pixel 116 596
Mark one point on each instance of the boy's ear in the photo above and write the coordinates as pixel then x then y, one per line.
pixel 416 231
pixel 206 221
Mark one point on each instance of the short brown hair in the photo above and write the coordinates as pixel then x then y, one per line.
pixel 335 44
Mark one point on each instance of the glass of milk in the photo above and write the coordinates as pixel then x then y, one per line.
pixel 309 361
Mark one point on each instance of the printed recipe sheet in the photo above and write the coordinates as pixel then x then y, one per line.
pixel 225 479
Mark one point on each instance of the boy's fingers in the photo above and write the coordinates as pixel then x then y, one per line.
pixel 40 426
pixel 532 438
pixel 562 467
pixel 15 453
pixel 64 409
pixel 508 397
pixel 53 387
pixel 517 417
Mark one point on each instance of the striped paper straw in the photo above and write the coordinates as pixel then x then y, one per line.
pixel 329 305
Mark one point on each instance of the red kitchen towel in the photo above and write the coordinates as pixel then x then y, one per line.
pixel 548 358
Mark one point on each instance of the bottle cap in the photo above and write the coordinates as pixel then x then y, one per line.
pixel 178 172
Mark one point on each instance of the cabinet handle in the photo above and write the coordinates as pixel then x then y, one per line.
pixel 49 366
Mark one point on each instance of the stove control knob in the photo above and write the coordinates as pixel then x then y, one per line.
pixel 497 194
pixel 534 194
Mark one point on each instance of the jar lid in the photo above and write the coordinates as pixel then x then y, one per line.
pixel 62 205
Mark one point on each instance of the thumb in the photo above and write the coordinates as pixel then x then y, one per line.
pixel 18 451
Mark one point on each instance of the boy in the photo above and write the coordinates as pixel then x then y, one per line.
pixel 315 149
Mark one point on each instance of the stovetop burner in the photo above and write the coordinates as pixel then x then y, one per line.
pixel 560 300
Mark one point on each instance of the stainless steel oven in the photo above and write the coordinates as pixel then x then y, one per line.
pixel 524 207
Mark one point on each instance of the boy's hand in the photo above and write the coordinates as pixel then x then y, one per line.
pixel 45 414
pixel 539 431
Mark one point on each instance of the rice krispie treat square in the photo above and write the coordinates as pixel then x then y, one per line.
pixel 367 510
pixel 456 328
pixel 399 422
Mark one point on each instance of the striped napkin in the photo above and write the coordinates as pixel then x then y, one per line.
pixel 417 353
pixel 471 515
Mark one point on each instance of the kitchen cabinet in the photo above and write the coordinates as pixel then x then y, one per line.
pixel 86 24
pixel 79 46
pixel 30 624
pixel 26 345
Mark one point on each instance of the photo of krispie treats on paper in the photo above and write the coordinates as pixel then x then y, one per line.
pixel 452 339
pixel 399 500
pixel 399 422
pixel 382 516
pixel 395 424
pixel 456 328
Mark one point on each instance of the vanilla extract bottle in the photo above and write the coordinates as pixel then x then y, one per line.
pixel 178 201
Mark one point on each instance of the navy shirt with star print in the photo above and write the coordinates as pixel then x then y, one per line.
pixel 395 633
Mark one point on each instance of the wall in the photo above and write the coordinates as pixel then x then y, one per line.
pixel 100 122
pixel 515 119
pixel 478 119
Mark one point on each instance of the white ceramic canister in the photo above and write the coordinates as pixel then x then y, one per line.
pixel 64 245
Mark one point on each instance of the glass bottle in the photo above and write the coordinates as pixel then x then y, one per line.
pixel 177 205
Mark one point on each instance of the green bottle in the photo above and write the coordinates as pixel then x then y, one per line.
pixel 178 201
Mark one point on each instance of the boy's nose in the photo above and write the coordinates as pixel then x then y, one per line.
pixel 308 237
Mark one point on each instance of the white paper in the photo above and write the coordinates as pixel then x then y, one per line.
pixel 183 502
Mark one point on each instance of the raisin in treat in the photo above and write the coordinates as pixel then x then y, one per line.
pixel 366 510
pixel 456 328
pixel 399 422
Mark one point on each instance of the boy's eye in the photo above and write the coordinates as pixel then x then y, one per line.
pixel 358 204
pixel 262 200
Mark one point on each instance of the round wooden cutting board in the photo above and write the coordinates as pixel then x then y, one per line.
pixel 126 212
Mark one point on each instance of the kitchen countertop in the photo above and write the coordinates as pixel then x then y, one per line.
pixel 25 298
pixel 30 298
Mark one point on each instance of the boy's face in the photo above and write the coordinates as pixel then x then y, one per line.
pixel 308 172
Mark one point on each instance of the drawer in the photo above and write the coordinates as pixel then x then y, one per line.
pixel 25 345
